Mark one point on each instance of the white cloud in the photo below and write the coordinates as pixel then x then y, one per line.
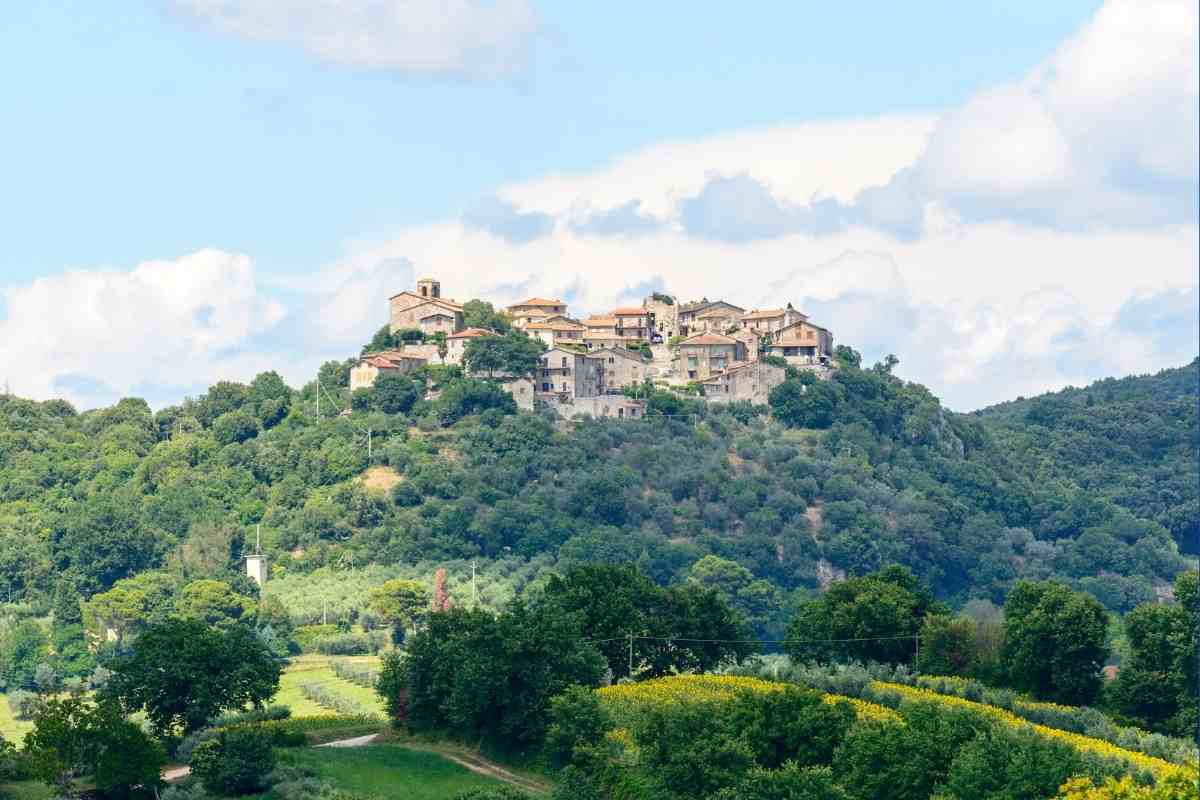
pixel 472 37
pixel 174 325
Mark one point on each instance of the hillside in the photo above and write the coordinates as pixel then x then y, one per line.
pixel 1133 441
pixel 971 503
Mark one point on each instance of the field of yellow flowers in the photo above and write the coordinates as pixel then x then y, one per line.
pixel 1157 766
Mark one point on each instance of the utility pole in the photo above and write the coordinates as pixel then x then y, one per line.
pixel 474 593
pixel 917 657
pixel 368 445
pixel 630 656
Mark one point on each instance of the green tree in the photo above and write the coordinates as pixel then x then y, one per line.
pixel 102 541
pixel 792 782
pixel 400 603
pixel 25 647
pixel 514 354
pixel 1054 642
pixel 875 617
pixel 1010 763
pixel 182 673
pixel 383 339
pixel 805 405
pixel 794 725
pixel 481 314
pixel 947 645
pixel 396 394
pixel 239 761
pixel 214 603
pixel 847 356
pixel 578 724
pixel 68 639
pixel 234 427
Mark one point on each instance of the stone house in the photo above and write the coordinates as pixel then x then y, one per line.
pixel 456 343
pixel 689 314
pixel 522 391
pixel 634 323
pixel 601 325
pixel 425 310
pixel 535 309
pixel 599 341
pixel 557 330
pixel 607 406
pixel 665 315
pixel 802 343
pixel 619 368
pixel 388 362
pixel 768 321
pixel 706 354
pixel 752 382
pixel 568 374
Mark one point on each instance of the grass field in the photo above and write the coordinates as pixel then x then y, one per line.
pixel 315 669
pixel 388 771
pixel 11 728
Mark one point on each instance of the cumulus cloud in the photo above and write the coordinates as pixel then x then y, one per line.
pixel 466 37
pixel 626 219
pixel 95 335
pixel 501 218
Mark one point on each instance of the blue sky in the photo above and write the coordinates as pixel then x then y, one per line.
pixel 1003 194
pixel 144 134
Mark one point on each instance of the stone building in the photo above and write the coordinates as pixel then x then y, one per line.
pixel 802 343
pixel 535 309
pixel 706 354
pixel 424 310
pixel 568 374
pixel 456 343
pixel 690 313
pixel 619 368
pixel 751 382
pixel 770 320
pixel 665 314
pixel 556 331
pixel 388 362
pixel 633 324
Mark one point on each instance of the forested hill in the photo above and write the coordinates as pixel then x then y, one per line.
pixel 1131 440
pixel 871 471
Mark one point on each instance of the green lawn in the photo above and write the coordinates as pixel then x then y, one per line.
pixel 11 728
pixel 315 669
pixel 388 771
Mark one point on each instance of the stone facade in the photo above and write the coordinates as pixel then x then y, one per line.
pixel 456 343
pixel 424 310
pixel 557 331
pixel 619 368
pixel 665 315
pixel 535 309
pixel 690 313
pixel 771 320
pixel 609 406
pixel 568 374
pixel 370 367
pixel 522 391
pixel 634 324
pixel 751 382
pixel 706 354
pixel 803 343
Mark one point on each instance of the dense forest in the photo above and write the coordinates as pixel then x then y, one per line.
pixel 1095 486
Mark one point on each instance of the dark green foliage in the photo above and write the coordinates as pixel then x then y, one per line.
pixel 501 793
pixel 577 726
pixel 234 427
pixel 70 644
pixel 481 314
pixel 100 542
pixel 396 394
pixel 1157 686
pixel 688 752
pixel 478 676
pixel 1009 764
pixel 677 629
pixel 948 646
pixel 73 737
pixel 182 673
pixel 25 647
pixel 513 354
pixel 792 782
pixel 1054 642
pixel 464 397
pixel 239 761
pixel 383 339
pixel 884 611
pixel 794 725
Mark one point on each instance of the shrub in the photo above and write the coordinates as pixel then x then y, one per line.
pixel 237 762
pixel 22 703
pixel 344 644
pixel 499 793
pixel 307 635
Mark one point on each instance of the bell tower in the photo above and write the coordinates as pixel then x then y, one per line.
pixel 429 288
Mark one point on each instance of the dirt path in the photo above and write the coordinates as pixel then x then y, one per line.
pixel 179 773
pixel 482 766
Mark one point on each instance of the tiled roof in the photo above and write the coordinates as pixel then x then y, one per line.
pixel 629 312
pixel 554 326
pixel 539 301
pixel 601 322
pixel 471 333
pixel 708 338
pixel 769 313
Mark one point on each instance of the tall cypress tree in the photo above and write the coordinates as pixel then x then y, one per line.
pixel 70 643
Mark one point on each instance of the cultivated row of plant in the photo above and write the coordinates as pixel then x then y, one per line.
pixel 327 697
pixel 358 674
pixel 1075 719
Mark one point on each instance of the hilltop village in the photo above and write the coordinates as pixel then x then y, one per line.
pixel 596 365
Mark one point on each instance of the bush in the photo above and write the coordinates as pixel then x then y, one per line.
pixel 237 762
pixel 307 635
pixel 499 793
pixel 330 698
pixel 344 644
pixel 22 703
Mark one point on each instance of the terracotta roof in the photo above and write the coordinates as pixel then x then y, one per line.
pixel 629 312
pixel 708 338
pixel 389 361
pixel 538 301
pixel 717 312
pixel 812 325
pixel 554 326
pixel 769 313
pixel 601 322
pixel 609 336
pixel 471 333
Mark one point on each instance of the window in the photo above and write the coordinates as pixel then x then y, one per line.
pixel 546 387
pixel 564 362
pixel 620 412
pixel 564 386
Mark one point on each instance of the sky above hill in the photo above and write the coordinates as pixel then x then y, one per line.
pixel 1004 195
